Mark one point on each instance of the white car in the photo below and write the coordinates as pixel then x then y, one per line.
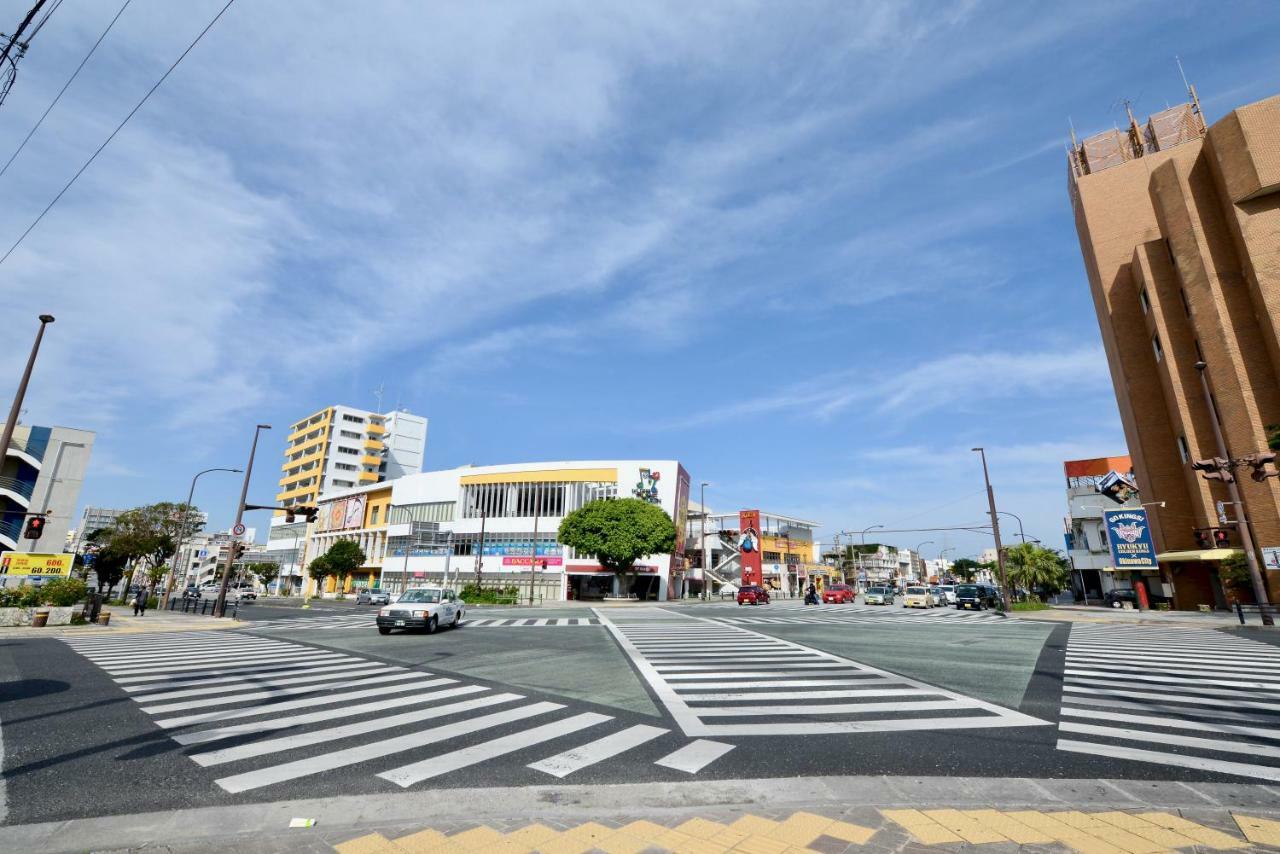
pixel 422 608
pixel 949 591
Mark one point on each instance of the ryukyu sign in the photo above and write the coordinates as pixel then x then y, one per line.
pixel 1129 535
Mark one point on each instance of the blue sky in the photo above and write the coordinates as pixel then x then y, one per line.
pixel 816 251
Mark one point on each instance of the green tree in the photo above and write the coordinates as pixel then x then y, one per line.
pixel 1234 572
pixel 320 569
pixel 618 532
pixel 147 535
pixel 343 558
pixel 266 571
pixel 965 568
pixel 1037 569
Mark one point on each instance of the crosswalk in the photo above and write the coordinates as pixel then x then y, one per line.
pixel 717 679
pixel 1183 697
pixel 264 712
pixel 795 613
pixel 368 621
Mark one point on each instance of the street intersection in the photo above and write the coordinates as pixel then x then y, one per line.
pixel 317 704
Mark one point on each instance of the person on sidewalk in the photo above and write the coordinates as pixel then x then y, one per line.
pixel 811 595
pixel 140 603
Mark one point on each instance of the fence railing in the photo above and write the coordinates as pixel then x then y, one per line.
pixel 202 606
pixel 1266 613
pixel 21 487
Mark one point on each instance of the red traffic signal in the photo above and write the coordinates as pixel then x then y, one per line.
pixel 1202 539
pixel 35 527
pixel 1221 539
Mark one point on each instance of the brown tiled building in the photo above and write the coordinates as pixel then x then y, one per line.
pixel 1179 226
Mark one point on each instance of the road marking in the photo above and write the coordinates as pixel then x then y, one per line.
pixel 1174 723
pixel 1149 736
pixel 209 664
pixel 323 674
pixel 219 733
pixel 232 699
pixel 239 670
pixel 446 763
pixel 1119 751
pixel 563 764
pixel 319 736
pixel 695 755
pixel 375 750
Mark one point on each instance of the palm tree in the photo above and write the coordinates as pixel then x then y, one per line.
pixel 1037 569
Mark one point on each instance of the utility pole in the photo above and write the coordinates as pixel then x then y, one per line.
pixel 533 555
pixel 995 530
pixel 480 550
pixel 706 565
pixel 6 54
pixel 182 535
pixel 220 606
pixel 1246 530
pixel 16 410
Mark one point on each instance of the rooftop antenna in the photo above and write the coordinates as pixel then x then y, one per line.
pixel 1135 134
pixel 1191 91
pixel 377 393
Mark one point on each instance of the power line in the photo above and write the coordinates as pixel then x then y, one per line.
pixel 63 90
pixel 112 136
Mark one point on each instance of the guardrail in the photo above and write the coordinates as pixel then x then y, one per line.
pixel 20 487
pixel 1266 613
pixel 201 606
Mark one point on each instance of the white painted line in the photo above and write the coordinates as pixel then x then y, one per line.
pixel 799 695
pixel 756 674
pixel 1168 696
pixel 695 755
pixel 1243 666
pixel 1119 751
pixel 319 736
pixel 1165 710
pixel 563 764
pixel 852 679
pixel 327 674
pixel 1142 676
pixel 385 747
pixel 447 763
pixel 213 665
pixel 339 681
pixel 289 705
pixel 273 669
pixel 251 677
pixel 207 735
pixel 1174 723
pixel 835 708
pixel 1220 745
pixel 115 659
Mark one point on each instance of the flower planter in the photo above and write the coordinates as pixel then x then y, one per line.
pixel 104 617
pixel 40 619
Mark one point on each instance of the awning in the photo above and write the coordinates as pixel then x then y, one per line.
pixel 1198 554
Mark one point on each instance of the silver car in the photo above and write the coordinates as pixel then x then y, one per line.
pixel 372 597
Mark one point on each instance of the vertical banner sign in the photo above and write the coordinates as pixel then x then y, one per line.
pixel 1130 538
pixel 749 544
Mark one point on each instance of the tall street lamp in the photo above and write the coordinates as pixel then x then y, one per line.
pixel 1015 515
pixel 182 534
pixel 995 528
pixel 16 409
pixel 1246 529
pixel 220 607
pixel 702 518
pixel 920 553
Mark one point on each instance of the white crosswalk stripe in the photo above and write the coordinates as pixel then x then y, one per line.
pixel 368 621
pixel 272 711
pixel 1136 692
pixel 719 680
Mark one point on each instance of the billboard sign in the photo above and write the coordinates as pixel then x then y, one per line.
pixel 681 510
pixel 355 512
pixel 1117 487
pixel 1129 536
pixel 749 545
pixel 31 565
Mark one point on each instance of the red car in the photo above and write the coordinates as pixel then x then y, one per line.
pixel 753 594
pixel 837 594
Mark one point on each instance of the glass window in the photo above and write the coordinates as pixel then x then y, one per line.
pixel 373 515
pixel 1183 451
pixel 421 594
pixel 1145 300
pixel 1155 345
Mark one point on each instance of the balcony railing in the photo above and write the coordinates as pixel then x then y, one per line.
pixel 32 447
pixel 21 487
pixel 11 529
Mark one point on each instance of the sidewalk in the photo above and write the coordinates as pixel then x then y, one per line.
pixel 123 623
pixel 1094 614
pixel 826 814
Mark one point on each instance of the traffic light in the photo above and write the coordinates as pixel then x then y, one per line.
pixel 1215 469
pixel 35 527
pixel 293 512
pixel 237 551
pixel 1203 540
pixel 1221 539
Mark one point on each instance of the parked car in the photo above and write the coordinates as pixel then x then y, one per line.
pixel 753 594
pixel 1116 598
pixel 939 597
pixel 422 608
pixel 976 597
pixel 838 594
pixel 949 594
pixel 192 591
pixel 372 597
pixel 917 597
pixel 878 596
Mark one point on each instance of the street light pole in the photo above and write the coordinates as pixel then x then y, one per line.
pixel 1246 529
pixel 182 534
pixel 1015 515
pixel 923 568
pixel 16 409
pixel 995 529
pixel 220 607
pixel 706 566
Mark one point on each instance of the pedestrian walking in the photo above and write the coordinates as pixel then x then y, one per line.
pixel 811 595
pixel 140 603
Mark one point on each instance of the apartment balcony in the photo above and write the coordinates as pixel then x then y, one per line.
pixel 314 456
pixel 368 477
pixel 18 490
pixel 377 429
pixel 370 460
pixel 30 449
pixel 374 445
pixel 10 531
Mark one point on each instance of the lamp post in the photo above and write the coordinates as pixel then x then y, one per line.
pixel 1246 530
pixel 220 606
pixel 942 563
pixel 995 529
pixel 1015 515
pixel 16 409
pixel 182 534
pixel 923 568
pixel 702 519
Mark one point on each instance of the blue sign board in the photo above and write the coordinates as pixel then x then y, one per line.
pixel 1129 535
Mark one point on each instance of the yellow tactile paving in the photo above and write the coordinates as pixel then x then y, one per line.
pixel 700 828
pixel 1161 836
pixel 1015 830
pixel 753 825
pixel 967 828
pixel 849 832
pixel 924 829
pixel 373 843
pixel 1261 831
pixel 422 842
pixel 1204 836
pixel 762 845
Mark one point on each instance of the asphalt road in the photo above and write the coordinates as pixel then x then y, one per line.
pixel 314 702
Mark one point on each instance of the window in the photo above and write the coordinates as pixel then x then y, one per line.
pixel 436 511
pixel 1145 300
pixel 348 434
pixel 345 467
pixel 1183 450
pixel 1155 345
pixel 353 419
pixel 343 450
pixel 337 482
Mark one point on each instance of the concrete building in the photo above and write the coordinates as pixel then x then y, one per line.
pixel 361 514
pixel 341 447
pixel 1092 568
pixel 1179 227
pixel 479 522
pixel 789 553
pixel 202 557
pixel 41 471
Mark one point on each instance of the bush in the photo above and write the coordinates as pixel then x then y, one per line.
pixel 473 595
pixel 1030 605
pixel 10 597
pixel 61 592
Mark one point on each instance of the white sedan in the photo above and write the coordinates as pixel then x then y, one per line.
pixel 422 608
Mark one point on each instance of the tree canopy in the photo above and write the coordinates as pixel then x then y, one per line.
pixel 618 532
pixel 344 557
pixel 965 568
pixel 266 571
pixel 1034 568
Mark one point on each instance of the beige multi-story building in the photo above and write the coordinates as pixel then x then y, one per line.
pixel 1179 226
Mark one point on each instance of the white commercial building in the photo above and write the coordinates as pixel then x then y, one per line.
pixel 1092 568
pixel 499 523
pixel 41 472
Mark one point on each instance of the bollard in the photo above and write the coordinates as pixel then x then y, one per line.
pixel 1240 613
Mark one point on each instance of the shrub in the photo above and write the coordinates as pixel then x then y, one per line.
pixel 61 592
pixel 1030 605
pixel 10 597
pixel 473 595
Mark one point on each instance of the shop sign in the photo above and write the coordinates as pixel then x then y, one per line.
pixel 1129 534
pixel 33 565
pixel 1271 557
pixel 525 561
pixel 595 569
pixel 749 545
